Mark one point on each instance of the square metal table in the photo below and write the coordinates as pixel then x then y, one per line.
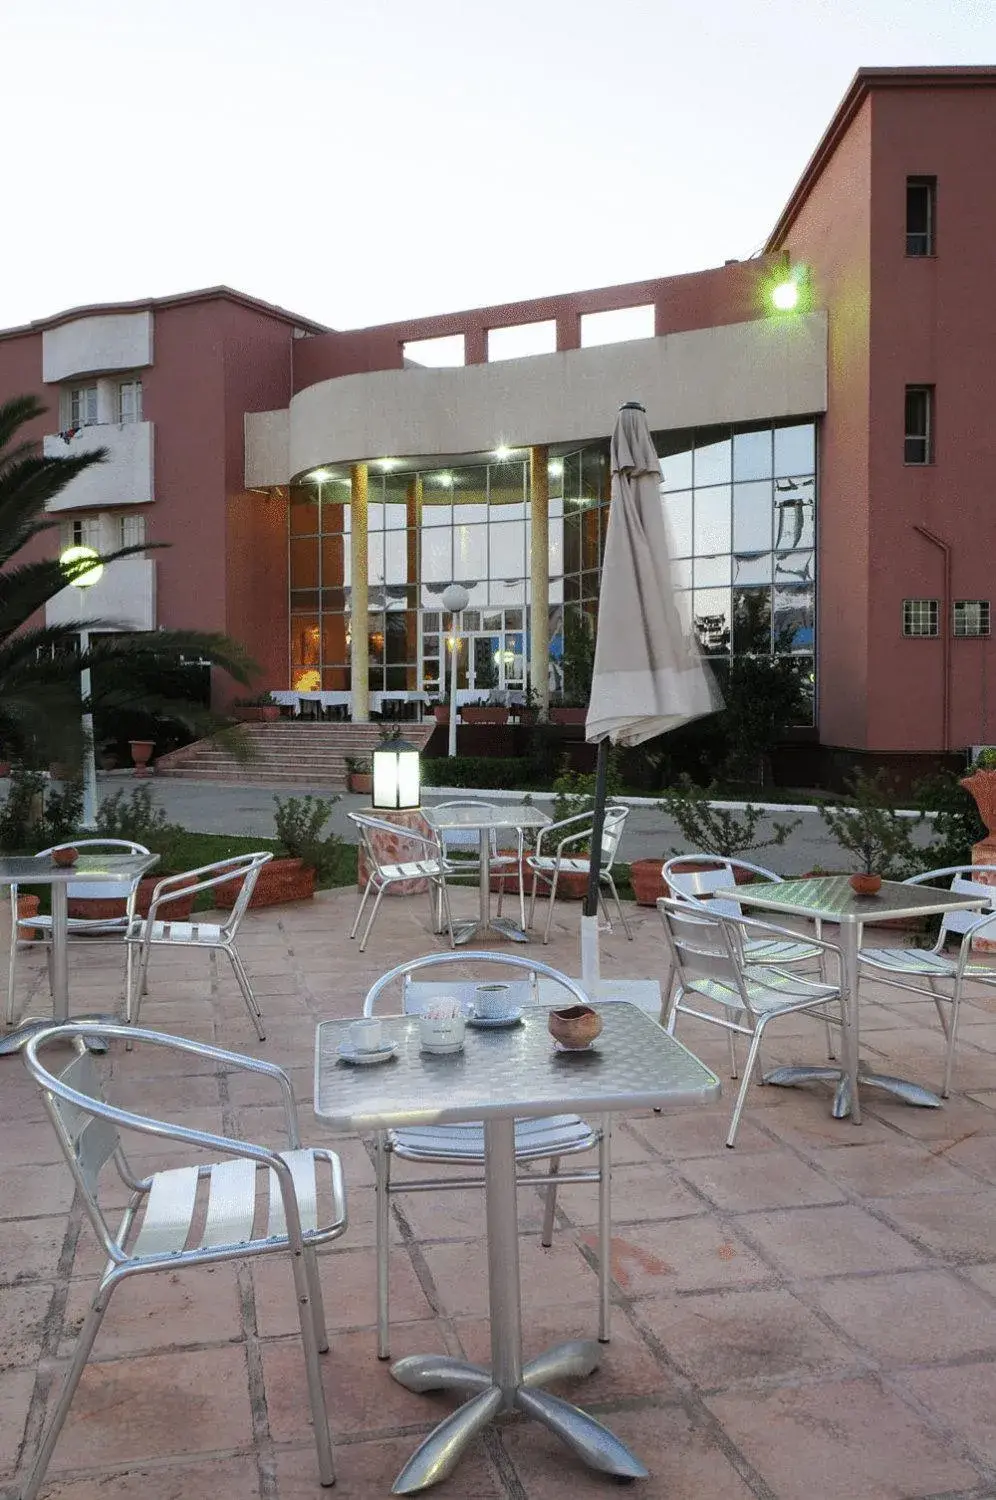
pixel 502 1075
pixel 831 898
pixel 509 815
pixel 28 870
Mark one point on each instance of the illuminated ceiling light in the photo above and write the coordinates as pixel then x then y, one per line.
pixel 446 480
pixel 555 468
pixel 319 476
pixel 387 464
pixel 503 453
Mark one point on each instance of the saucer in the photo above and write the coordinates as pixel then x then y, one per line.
pixel 563 1047
pixel 440 1049
pixel 362 1057
pixel 489 1022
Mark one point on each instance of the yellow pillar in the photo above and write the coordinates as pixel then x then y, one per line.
pixel 359 656
pixel 413 523
pixel 539 576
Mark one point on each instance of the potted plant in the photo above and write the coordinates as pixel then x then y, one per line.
pixel 869 829
pixel 310 856
pixel 141 754
pixel 577 665
pixel 528 712
pixel 981 786
pixel 709 829
pixel 440 710
pixel 260 709
pixel 484 712
pixel 359 773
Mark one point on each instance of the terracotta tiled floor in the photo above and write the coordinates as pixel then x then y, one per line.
pixel 811 1316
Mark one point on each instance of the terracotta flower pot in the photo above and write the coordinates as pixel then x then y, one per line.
pixel 483 715
pixel 361 781
pixel 982 786
pixel 280 881
pixel 105 908
pixel 866 885
pixel 568 715
pixel 27 906
pixel 141 754
pixel 647 879
pixel 441 713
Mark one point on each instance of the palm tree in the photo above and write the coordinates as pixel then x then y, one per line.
pixel 40 665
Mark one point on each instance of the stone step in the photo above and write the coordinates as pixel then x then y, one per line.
pixel 287 754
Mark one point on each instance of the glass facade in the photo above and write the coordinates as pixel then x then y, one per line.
pixel 740 504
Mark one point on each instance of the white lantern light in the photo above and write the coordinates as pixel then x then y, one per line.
pixel 397 775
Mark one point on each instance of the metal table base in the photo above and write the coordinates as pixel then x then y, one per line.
pixel 900 1088
pixel 510 1385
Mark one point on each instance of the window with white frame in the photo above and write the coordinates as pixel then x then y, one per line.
pixel 919 445
pixel 130 401
pixel 971 617
pixel 921 617
pixel 79 406
pixel 131 530
pixel 82 531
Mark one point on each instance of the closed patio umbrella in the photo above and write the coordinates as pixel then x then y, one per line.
pixel 649 676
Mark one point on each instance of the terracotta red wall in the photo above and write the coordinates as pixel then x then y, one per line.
pixel 933 322
pixel 704 299
pixel 832 235
pixel 21 375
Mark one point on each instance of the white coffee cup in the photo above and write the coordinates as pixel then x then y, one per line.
pixel 366 1035
pixel 493 1002
pixel 441 1033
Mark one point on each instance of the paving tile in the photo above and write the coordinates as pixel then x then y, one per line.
pixel 349 1291
pixel 30 1250
pixel 30 1191
pixel 682 1255
pixel 975 1155
pixel 982 1276
pixel 918 1317
pixel 171 1309
pixel 744 1333
pixel 16 1387
pixel 889 1169
pixel 700 1132
pixel 367 1469
pixel 643 1191
pixel 957 1225
pixel 770 1179
pixel 157 1406
pixel 222 1479
pixel 360 1396
pixel 23 1310
pixel 829 1241
pixel 549 1277
pixel 964 1397
pixel 841 1440
pixel 684 1460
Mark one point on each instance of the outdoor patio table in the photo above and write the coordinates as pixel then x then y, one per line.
pixel 502 1075
pixel 484 819
pixel 832 899
pixel 26 870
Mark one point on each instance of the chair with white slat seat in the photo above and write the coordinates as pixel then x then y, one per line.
pixel 257 1201
pixel 157 931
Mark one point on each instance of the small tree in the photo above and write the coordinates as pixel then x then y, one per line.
pixel 869 828
pixel 578 662
pixel 717 830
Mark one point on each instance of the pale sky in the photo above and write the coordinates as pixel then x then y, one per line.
pixel 362 161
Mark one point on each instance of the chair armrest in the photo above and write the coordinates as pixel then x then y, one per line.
pixel 549 828
pixel 224 871
pixel 789 934
pixel 976 930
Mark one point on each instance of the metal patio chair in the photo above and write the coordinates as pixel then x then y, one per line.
pixel 463 1144
pixel 78 890
pixel 428 863
pixel 705 888
pixel 568 832
pixel 159 931
pixel 707 951
pixel 943 976
pixel 256 1201
pixel 468 842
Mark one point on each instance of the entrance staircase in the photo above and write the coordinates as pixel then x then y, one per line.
pixel 287 753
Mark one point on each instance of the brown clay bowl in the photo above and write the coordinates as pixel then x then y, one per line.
pixel 866 885
pixel 576 1027
pixel 65 856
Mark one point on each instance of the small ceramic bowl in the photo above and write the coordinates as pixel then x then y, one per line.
pixel 65 856
pixel 576 1027
pixel 866 885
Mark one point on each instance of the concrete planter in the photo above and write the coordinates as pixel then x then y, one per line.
pixel 482 715
pixel 280 882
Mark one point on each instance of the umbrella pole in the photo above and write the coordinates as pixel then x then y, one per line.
pixel 589 921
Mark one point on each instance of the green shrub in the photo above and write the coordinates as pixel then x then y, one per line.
pixel 957 825
pixel 575 790
pixel 716 830
pixel 299 822
pixel 35 815
pixel 869 828
pixel 131 815
pixel 477 771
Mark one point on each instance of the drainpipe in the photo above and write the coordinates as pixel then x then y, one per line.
pixel 945 550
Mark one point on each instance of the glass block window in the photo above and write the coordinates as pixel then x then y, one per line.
pixel 971 617
pixel 921 617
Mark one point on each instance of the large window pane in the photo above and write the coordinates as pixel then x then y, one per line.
pixel 712 521
pixel 751 621
pixel 678 519
pixel 375 557
pixel 470 551
pixel 711 616
pixel 711 572
pixel 509 552
pixel 304 563
pixel 437 555
pixel 795 449
pixel 396 557
pixel 303 515
pixel 675 452
pixel 713 461
pixel 752 567
pixel 794 525
pixel 752 517
pixel 794 614
pixel 752 455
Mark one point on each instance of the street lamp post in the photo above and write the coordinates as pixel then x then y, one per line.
pixel 455 599
pixel 72 559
